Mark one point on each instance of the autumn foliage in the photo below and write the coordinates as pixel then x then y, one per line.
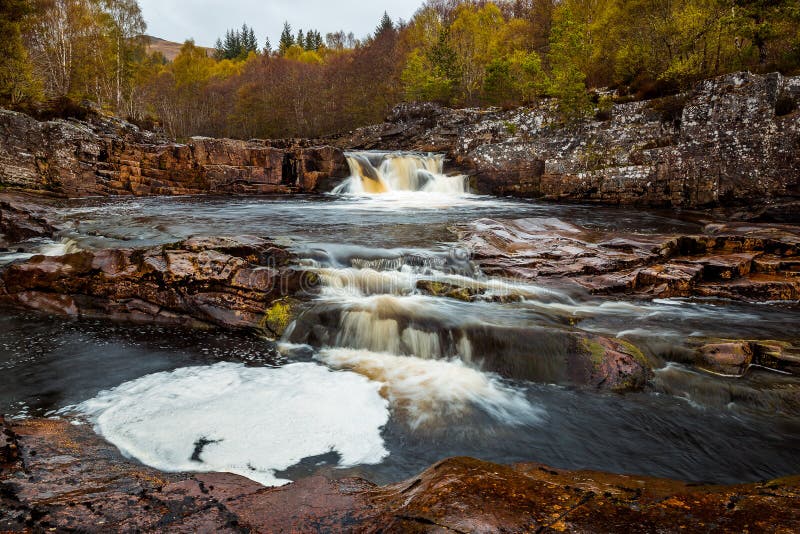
pixel 460 53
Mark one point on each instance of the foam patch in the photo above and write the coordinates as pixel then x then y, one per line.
pixel 243 420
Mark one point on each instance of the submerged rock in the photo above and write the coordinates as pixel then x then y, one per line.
pixel 231 283
pixel 726 358
pixel 67 478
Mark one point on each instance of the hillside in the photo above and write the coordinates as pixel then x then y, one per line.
pixel 170 49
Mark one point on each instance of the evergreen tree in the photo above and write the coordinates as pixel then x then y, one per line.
pixel 385 25
pixel 219 50
pixel 301 39
pixel 267 47
pixel 287 39
pixel 248 41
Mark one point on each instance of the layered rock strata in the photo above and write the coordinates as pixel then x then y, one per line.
pixel 105 156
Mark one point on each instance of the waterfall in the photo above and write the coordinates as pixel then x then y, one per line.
pixel 384 172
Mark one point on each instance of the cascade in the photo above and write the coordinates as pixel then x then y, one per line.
pixel 385 172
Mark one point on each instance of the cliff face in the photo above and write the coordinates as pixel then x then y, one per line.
pixel 733 139
pixel 110 157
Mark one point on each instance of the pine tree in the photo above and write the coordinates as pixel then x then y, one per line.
pixel 386 25
pixel 219 50
pixel 267 47
pixel 301 38
pixel 287 40
pixel 247 41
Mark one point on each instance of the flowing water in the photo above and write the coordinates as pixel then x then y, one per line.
pixel 376 378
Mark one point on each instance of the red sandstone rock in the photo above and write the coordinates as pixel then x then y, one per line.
pixel 727 262
pixel 67 478
pixel 200 282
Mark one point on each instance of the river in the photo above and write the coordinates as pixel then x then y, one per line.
pixel 379 380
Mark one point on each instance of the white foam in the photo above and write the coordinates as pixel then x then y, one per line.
pixel 260 420
pixel 425 391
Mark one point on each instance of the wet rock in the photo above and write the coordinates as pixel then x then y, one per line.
pixel 726 358
pixel 106 156
pixel 72 480
pixel 727 148
pixel 444 289
pixel 22 217
pixel 231 283
pixel 749 262
pixel 611 364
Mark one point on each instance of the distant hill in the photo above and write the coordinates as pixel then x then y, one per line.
pixel 168 48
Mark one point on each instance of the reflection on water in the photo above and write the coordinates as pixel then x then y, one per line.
pixel 484 378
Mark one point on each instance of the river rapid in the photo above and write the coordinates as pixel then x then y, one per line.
pixel 376 378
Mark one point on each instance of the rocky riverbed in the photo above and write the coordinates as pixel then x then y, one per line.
pixel 349 341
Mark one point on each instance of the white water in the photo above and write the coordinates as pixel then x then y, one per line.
pixel 256 420
pixel 432 391
pixel 40 247
pixel 393 173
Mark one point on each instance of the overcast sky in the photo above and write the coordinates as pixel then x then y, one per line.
pixel 205 20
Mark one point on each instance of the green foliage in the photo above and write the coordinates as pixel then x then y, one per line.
pixel 17 83
pixel 237 45
pixel 287 40
pixel 458 52
pixel 568 51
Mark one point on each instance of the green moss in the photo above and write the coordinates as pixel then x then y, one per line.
pixel 511 128
pixel 596 350
pixel 278 317
pixel 634 351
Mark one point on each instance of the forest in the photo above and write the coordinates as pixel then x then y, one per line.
pixel 55 54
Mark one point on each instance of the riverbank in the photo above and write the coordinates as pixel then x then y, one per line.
pixel 726 144
pixel 60 476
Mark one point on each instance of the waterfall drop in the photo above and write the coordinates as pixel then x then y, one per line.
pixel 386 172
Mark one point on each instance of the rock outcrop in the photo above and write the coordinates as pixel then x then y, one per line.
pixel 104 156
pixel 62 477
pixel 237 284
pixel 748 262
pixel 723 143
pixel 23 217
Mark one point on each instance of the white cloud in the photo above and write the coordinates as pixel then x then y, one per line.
pixel 205 20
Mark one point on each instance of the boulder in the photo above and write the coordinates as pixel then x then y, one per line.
pixel 610 364
pixel 726 358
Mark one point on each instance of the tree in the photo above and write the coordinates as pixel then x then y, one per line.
pixel 128 29
pixel 385 25
pixel 287 39
pixel 238 44
pixel 568 50
pixel 474 39
pixel 760 22
pixel 17 82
